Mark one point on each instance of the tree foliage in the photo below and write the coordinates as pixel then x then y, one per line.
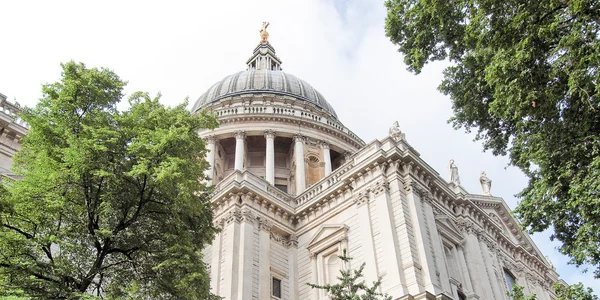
pixel 111 203
pixel 525 76
pixel 350 285
pixel 573 292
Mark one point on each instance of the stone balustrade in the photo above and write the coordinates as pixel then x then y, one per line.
pixel 285 111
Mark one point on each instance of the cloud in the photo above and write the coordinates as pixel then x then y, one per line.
pixel 181 48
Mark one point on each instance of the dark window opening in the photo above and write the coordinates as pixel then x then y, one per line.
pixel 510 280
pixel 282 187
pixel 276 287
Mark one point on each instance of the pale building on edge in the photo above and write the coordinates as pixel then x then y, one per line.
pixel 294 188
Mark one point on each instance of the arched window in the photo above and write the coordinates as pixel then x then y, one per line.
pixel 333 268
pixel 510 279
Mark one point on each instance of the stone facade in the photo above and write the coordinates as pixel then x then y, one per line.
pixel 294 188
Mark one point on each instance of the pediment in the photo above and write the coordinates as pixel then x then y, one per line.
pixel 500 214
pixel 327 235
pixel 448 230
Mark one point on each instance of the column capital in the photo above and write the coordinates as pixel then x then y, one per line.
pixel 362 198
pixel 270 134
pixel 240 134
pixel 299 138
pixel 210 139
pixel 265 225
pixel 324 145
pixel 380 187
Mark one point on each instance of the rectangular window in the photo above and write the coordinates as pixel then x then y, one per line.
pixel 281 187
pixel 277 287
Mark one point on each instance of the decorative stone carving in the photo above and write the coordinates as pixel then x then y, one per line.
pixel 395 132
pixel 240 134
pixel 380 187
pixel 299 138
pixel 347 155
pixel 211 139
pixel 279 238
pixel 269 134
pixel 486 184
pixel 454 178
pixel 293 241
pixel 264 224
pixel 324 145
pixel 362 198
pixel 234 215
pixel 248 216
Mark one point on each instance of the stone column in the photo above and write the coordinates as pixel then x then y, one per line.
pixel 326 157
pixel 240 148
pixel 270 157
pixel 245 251
pixel 264 260
pixel 300 173
pixel 366 236
pixel 210 157
pixel 395 281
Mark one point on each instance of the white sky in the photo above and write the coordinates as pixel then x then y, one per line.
pixel 182 48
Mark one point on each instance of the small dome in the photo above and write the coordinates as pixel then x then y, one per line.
pixel 263 81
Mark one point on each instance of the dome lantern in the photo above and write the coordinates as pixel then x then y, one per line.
pixel 264 57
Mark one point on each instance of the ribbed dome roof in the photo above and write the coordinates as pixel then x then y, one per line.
pixel 261 81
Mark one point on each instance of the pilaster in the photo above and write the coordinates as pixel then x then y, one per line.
pixel 264 259
pixel 475 263
pixel 293 266
pixel 215 263
pixel 361 202
pixel 426 257
pixel 229 289
pixel 395 278
pixel 245 252
pixel 483 244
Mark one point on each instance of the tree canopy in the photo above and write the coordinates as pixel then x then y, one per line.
pixel 111 203
pixel 524 75
pixel 573 292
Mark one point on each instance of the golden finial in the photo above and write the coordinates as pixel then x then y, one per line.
pixel 264 35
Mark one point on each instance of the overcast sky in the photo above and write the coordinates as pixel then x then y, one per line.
pixel 182 48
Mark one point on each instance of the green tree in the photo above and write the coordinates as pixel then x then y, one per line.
pixel 517 293
pixel 573 292
pixel 111 203
pixel 525 76
pixel 350 286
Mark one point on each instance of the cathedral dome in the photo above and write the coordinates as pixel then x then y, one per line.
pixel 261 80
